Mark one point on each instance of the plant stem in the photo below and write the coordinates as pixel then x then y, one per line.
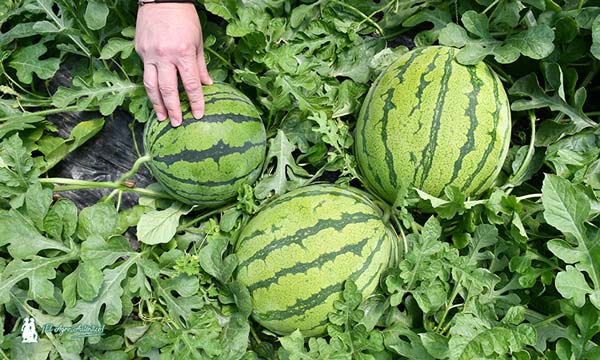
pixel 361 14
pixel 134 169
pixel 192 222
pixel 73 184
pixel 490 6
pixel 43 112
pixel 216 54
pixel 530 152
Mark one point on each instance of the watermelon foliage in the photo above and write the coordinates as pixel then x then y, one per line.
pixel 297 252
pixel 433 121
pixel 511 275
pixel 205 161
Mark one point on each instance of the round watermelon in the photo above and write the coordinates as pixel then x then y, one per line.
pixel 296 253
pixel 204 161
pixel 434 122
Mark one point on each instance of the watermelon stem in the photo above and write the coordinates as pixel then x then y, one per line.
pixel 517 178
pixel 120 186
pixel 192 222
pixel 217 55
pixel 42 112
pixel 490 6
pixel 73 184
pixel 361 14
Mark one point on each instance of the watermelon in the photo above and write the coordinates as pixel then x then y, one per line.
pixel 435 123
pixel 205 161
pixel 296 253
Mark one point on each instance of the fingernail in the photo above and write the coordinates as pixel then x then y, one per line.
pixel 198 114
pixel 175 123
pixel 161 116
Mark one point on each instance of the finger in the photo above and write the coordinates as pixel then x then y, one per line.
pixel 167 85
pixel 190 77
pixel 204 76
pixel 151 85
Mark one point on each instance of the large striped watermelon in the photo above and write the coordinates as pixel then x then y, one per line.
pixel 433 121
pixel 205 161
pixel 296 253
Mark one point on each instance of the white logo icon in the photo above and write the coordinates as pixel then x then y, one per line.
pixel 28 331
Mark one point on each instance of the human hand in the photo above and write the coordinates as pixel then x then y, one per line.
pixel 168 38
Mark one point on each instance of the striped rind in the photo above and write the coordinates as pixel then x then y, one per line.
pixel 296 253
pixel 205 161
pixel 435 122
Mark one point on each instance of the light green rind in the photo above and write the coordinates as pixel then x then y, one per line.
pixel 296 253
pixel 205 161
pixel 434 121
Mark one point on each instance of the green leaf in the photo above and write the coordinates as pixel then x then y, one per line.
pixel 405 342
pixel 89 280
pixel 61 220
pixel 99 219
pixel 536 42
pixel 37 203
pixel 23 238
pixel 107 91
pixel 101 253
pixel 116 46
pixel 27 62
pixel 472 338
pixel 39 271
pixel 596 37
pixel 17 169
pixel 572 285
pixel 182 306
pixel 108 301
pixel 95 15
pixel 56 149
pixel 281 149
pixel 528 86
pixel 234 337
pixel 565 208
pixel 213 261
pixel 159 226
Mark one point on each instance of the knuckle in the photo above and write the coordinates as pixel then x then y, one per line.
pixel 168 90
pixel 150 86
pixel 191 84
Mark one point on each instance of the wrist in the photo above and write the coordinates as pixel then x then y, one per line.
pixel 146 2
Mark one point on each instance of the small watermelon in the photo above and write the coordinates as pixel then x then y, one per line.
pixel 296 253
pixel 205 161
pixel 435 122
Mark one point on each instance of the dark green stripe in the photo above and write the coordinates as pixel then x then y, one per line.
pixel 403 68
pixel 213 100
pixel 301 306
pixel 491 144
pixel 373 277
pixel 320 191
pixel 423 83
pixel 377 183
pixel 355 248
pixel 299 236
pixel 205 183
pixel 428 152
pixel 471 113
pixel 389 156
pixel 215 152
pixel 211 118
